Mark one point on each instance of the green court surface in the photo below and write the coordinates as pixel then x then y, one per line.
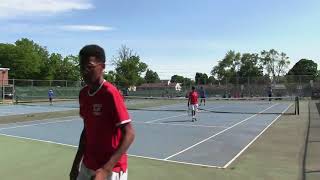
pixel 277 154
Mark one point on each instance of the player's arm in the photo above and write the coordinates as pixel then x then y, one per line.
pixel 76 162
pixel 125 142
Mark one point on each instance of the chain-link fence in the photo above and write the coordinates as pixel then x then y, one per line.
pixel 23 90
pixel 302 86
pixel 33 90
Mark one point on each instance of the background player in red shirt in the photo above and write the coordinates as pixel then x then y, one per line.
pixel 107 132
pixel 193 100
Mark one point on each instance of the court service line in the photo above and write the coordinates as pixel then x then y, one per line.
pixel 178 124
pixel 169 117
pixel 131 155
pixel 235 157
pixel 179 162
pixel 161 107
pixel 26 125
pixel 217 133
pixel 155 120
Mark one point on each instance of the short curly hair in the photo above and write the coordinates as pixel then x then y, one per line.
pixel 92 50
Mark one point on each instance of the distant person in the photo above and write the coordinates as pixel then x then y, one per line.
pixel 202 96
pixel 107 132
pixel 50 96
pixel 193 101
pixel 269 92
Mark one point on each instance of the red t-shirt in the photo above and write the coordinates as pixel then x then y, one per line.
pixel 102 113
pixel 193 97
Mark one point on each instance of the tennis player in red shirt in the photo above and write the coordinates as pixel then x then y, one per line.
pixel 193 101
pixel 107 132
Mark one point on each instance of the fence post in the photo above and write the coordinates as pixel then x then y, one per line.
pixel 249 88
pixel 13 92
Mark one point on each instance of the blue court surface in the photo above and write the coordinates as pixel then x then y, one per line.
pixel 7 110
pixel 215 140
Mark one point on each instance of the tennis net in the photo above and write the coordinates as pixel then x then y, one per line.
pixel 251 105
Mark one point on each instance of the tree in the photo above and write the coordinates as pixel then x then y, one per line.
pixel 128 68
pixel 249 67
pixel 177 79
pixel 28 60
pixel 53 65
pixel 275 63
pixel 304 67
pixel 211 80
pixel 187 82
pixel 25 59
pixel 151 77
pixel 110 76
pixel 201 78
pixel 268 59
pixel 228 67
pixel 282 64
pixel 68 69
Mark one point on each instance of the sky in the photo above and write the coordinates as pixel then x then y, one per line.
pixel 171 36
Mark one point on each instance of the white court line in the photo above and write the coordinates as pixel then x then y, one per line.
pixel 235 157
pixel 151 158
pixel 132 155
pixel 217 134
pixel 159 107
pixel 152 121
pixel 40 120
pixel 27 125
pixel 39 140
pixel 169 117
pixel 178 124
pixel 179 162
pixel 31 123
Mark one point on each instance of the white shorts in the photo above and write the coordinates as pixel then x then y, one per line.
pixel 194 107
pixel 87 174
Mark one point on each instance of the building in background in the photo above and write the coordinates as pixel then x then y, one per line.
pixel 4 74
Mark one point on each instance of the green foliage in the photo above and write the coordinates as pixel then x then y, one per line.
pixel 28 60
pixel 249 67
pixel 304 67
pixel 236 67
pixel 187 82
pixel 228 67
pixel 68 68
pixel 110 76
pixel 211 80
pixel 129 68
pixel 151 77
pixel 275 63
pixel 201 78
pixel 177 79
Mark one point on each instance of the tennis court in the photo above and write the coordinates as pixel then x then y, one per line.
pixel 166 132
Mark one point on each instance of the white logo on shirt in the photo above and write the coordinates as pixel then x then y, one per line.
pixel 97 109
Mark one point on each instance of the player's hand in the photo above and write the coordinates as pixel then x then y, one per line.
pixel 102 174
pixel 74 173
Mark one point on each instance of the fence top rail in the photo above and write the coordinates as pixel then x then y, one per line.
pixel 41 80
